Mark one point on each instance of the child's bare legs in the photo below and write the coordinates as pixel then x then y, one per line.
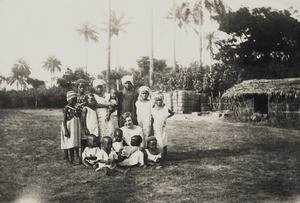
pixel 165 150
pixel 66 155
pixel 77 152
pixel 71 155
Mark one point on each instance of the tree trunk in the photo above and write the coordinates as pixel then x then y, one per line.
pixel 151 45
pixel 108 46
pixel 200 33
pixel 174 34
pixel 86 57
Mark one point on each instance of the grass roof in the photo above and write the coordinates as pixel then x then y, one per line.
pixel 282 87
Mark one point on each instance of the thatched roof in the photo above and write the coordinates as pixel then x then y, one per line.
pixel 281 87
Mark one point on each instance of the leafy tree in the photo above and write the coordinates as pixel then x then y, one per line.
pixel 52 64
pixel 263 43
pixel 68 79
pixel 20 72
pixel 35 83
pixel 89 32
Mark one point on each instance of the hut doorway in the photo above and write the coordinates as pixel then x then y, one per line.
pixel 261 103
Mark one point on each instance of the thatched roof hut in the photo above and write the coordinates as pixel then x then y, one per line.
pixel 289 87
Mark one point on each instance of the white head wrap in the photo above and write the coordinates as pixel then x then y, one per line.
pixel 98 82
pixel 143 89
pixel 127 78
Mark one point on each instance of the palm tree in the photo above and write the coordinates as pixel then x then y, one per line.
pixel 52 64
pixel 108 46
pixel 117 25
pixel 212 6
pixel 89 33
pixel 180 15
pixel 151 68
pixel 210 37
pixel 20 72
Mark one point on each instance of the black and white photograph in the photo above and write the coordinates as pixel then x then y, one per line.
pixel 150 101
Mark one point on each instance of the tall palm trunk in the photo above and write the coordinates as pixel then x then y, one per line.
pixel 200 33
pixel 151 45
pixel 86 57
pixel 108 46
pixel 174 34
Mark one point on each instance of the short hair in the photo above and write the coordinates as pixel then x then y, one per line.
pixel 106 138
pixel 136 139
pixel 118 130
pixel 126 115
pixel 151 138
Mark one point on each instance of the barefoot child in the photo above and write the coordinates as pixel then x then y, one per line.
pixel 152 153
pixel 107 157
pixel 91 153
pixel 89 120
pixel 143 112
pixel 70 129
pixel 160 114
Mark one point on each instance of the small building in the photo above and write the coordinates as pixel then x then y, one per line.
pixel 276 100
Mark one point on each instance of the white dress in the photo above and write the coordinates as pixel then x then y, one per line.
pixel 117 146
pixel 91 152
pixel 152 157
pixel 105 157
pixel 91 122
pixel 143 112
pixel 106 128
pixel 128 133
pixel 74 127
pixel 159 125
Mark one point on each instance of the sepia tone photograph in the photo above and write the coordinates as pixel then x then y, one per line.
pixel 149 101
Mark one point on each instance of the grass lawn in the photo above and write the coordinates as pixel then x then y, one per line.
pixel 210 160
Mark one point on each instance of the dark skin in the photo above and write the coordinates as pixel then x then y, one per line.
pixel 92 142
pixel 91 103
pixel 152 147
pixel 118 135
pixel 71 103
pixel 99 90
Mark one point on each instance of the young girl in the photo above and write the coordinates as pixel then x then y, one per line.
pixel 112 113
pixel 160 113
pixel 102 106
pixel 89 120
pixel 152 153
pixel 127 99
pixel 70 129
pixel 143 111
pixel 91 153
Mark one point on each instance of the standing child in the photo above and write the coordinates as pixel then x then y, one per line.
pixel 91 153
pixel 112 111
pixel 107 157
pixel 89 120
pixel 152 153
pixel 143 112
pixel 160 113
pixel 70 129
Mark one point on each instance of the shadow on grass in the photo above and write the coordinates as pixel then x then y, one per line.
pixel 209 153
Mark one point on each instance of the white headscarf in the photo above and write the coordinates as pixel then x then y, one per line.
pixel 98 82
pixel 127 78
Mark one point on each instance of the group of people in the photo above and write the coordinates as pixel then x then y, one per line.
pixel 112 132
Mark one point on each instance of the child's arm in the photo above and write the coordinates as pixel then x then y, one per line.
pixel 84 113
pixel 171 113
pixel 67 132
pixel 107 117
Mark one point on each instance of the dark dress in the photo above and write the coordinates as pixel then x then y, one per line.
pixel 127 104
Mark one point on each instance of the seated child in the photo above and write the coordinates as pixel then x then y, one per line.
pixel 118 142
pixel 152 153
pixel 107 157
pixel 91 153
pixel 132 155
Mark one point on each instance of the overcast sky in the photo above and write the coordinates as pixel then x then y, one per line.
pixel 35 29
